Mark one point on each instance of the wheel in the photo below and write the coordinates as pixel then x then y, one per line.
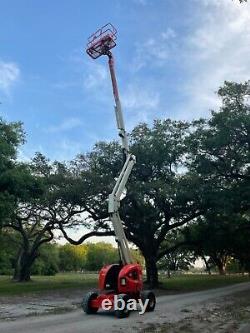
pixel 147 294
pixel 123 313
pixel 86 302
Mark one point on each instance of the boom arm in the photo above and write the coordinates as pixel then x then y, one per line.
pixel 114 204
pixel 100 43
pixel 120 186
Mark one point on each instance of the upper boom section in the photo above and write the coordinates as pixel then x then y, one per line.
pixel 100 43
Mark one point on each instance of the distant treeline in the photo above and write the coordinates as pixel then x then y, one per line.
pixel 54 258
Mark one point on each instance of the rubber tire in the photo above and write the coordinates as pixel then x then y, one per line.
pixel 86 302
pixel 148 294
pixel 125 312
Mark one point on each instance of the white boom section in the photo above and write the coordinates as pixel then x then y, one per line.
pixel 120 186
pixel 114 204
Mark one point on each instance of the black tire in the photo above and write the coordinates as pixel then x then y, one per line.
pixel 125 312
pixel 86 302
pixel 148 294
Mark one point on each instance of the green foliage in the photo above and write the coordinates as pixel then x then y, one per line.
pixel 183 172
pixel 11 136
pixel 160 195
pixel 219 151
pixel 100 254
pixel 138 257
pixel 8 252
pixel 219 154
pixel 72 258
pixel 179 259
pixel 234 266
pixel 176 257
pixel 47 261
pixel 90 256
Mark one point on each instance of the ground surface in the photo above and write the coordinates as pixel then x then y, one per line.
pixel 222 310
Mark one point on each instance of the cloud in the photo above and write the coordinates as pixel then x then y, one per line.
pixel 89 75
pixel 96 76
pixel 153 51
pixel 136 98
pixel 216 50
pixel 66 125
pixel 66 84
pixel 169 33
pixel 26 152
pixel 139 104
pixel 96 82
pixel 9 74
pixel 141 2
pixel 68 149
pixel 63 149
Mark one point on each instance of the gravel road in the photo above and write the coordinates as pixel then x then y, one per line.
pixel 170 309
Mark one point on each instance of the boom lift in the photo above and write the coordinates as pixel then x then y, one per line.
pixel 123 279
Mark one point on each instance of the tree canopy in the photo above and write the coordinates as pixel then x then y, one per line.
pixel 191 180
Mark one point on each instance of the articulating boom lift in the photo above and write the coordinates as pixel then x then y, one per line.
pixel 124 279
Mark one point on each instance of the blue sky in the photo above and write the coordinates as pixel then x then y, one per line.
pixel 171 57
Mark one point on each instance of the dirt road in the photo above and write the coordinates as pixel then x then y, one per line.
pixel 191 312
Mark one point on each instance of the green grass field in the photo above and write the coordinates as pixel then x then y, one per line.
pixel 180 283
pixel 47 283
pixel 193 282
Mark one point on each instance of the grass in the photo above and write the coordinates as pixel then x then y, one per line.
pixel 60 281
pixel 64 281
pixel 195 282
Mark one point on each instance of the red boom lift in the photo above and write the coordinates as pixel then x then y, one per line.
pixel 124 279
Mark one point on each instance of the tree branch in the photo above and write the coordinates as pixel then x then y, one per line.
pixel 174 247
pixel 84 237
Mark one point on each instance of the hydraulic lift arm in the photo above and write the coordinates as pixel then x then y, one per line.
pixel 120 186
pixel 126 280
pixel 100 43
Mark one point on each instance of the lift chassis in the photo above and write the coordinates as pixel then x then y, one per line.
pixel 124 279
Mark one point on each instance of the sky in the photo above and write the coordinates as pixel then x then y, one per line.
pixel 171 57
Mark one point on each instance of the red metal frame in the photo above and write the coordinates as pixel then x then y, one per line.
pixel 102 41
pixel 132 273
pixel 97 303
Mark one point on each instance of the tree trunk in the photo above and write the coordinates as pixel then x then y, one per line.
pixel 222 269
pixel 23 267
pixel 152 272
pixel 220 265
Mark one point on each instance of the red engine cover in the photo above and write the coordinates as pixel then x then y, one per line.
pixel 102 276
pixel 130 279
